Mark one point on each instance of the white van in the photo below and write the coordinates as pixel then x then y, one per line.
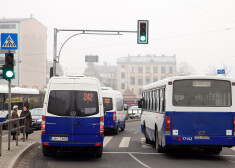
pixel 115 116
pixel 73 115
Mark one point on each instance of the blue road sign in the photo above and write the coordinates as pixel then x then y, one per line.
pixel 9 41
pixel 221 71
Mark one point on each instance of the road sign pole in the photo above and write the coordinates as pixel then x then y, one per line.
pixel 55 52
pixel 9 112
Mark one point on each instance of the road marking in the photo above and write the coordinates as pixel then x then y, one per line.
pixel 233 148
pixel 229 160
pixel 144 145
pixel 125 142
pixel 138 161
pixel 136 132
pixel 106 140
pixel 141 153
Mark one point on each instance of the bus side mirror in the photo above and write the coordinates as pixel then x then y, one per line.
pixel 140 103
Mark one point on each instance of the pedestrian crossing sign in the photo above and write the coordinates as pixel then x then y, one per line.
pixel 9 41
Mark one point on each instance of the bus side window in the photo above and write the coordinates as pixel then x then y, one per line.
pixel 163 99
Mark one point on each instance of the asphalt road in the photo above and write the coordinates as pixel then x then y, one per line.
pixel 128 149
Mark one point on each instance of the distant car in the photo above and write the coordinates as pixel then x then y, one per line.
pixel 36 118
pixel 134 112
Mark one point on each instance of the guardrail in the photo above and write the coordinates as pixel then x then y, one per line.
pixel 17 128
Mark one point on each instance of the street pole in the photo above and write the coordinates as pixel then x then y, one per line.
pixel 55 52
pixel 9 112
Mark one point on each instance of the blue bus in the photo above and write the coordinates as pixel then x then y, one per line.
pixel 189 112
pixel 73 116
pixel 115 116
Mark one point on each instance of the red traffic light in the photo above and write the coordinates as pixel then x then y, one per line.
pixel 9 57
pixel 143 25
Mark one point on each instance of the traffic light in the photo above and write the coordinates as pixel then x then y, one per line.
pixel 142 34
pixel 8 69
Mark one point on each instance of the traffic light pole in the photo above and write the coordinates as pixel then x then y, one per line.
pixel 90 32
pixel 9 112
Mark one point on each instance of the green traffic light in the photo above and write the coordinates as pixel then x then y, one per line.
pixel 142 38
pixel 9 74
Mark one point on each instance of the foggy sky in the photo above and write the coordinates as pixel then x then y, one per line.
pixel 200 32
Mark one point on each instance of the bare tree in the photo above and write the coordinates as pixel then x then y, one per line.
pixel 212 70
pixel 184 69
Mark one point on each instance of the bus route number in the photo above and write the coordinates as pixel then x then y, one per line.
pixel 88 96
pixel 106 101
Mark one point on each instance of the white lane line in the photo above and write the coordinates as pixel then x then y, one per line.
pixel 125 142
pixel 229 160
pixel 106 140
pixel 138 161
pixel 233 148
pixel 136 132
pixel 141 153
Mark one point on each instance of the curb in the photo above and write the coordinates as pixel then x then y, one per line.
pixel 17 158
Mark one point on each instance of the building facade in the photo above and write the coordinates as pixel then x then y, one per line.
pixel 134 72
pixel 107 74
pixel 30 58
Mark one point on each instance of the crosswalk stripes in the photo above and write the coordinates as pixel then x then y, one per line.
pixel 106 140
pixel 125 142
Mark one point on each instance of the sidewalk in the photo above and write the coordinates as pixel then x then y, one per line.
pixel 8 157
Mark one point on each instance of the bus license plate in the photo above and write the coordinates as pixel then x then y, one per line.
pixel 201 137
pixel 59 138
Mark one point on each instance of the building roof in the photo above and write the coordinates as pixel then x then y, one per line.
pixel 147 59
pixel 8 20
pixel 127 92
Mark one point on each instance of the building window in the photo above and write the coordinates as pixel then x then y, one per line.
pixel 147 80
pixel 170 69
pixel 140 91
pixel 155 69
pixel 147 69
pixel 140 81
pixel 163 69
pixel 122 86
pixel 123 66
pixel 123 75
pixel 140 69
pixel 155 79
pixel 132 80
pixel 132 69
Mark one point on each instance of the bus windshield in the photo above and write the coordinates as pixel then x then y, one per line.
pixel 202 93
pixel 73 103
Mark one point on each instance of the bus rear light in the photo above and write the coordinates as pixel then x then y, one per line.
pixel 169 83
pixel 233 83
pixel 168 125
pixel 47 144
pixel 179 138
pixel 101 125
pixel 97 144
pixel 43 126
pixel 114 116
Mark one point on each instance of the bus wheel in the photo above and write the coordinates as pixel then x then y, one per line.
pixel 124 126
pixel 217 150
pixel 45 151
pixel 158 147
pixel 116 131
pixel 147 140
pixel 99 152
